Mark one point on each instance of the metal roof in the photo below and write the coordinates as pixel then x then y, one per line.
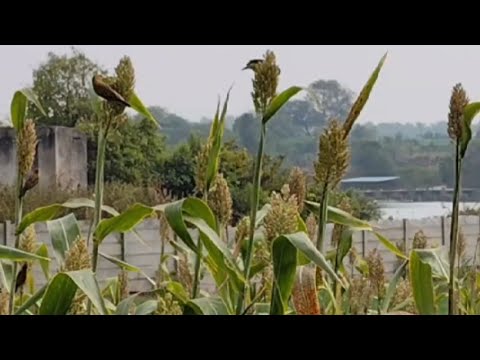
pixel 373 179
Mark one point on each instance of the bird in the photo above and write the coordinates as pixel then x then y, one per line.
pixel 30 183
pixel 106 92
pixel 21 277
pixel 252 64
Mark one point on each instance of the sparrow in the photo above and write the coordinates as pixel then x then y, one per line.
pixel 106 92
pixel 30 183
pixel 252 64
pixel 21 277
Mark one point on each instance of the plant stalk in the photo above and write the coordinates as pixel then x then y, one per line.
pixel 198 258
pixel 18 218
pixel 322 219
pixel 454 229
pixel 99 183
pixel 253 216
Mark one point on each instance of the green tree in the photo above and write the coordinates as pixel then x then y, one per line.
pixel 63 86
pixel 133 154
pixel 178 169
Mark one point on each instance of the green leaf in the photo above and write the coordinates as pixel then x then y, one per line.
pixel 439 265
pixel 261 214
pixel 216 138
pixel 363 97
pixel 146 308
pixel 392 287
pixel 284 270
pixel 279 102
pixel 284 253
pixel 123 308
pixel 19 105
pixel 206 306
pixel 17 255
pixel 121 264
pixel 218 251
pixel 178 291
pixel 344 246
pixel 6 271
pixel 43 252
pixel 32 301
pixel 391 246
pixel 469 113
pixel 64 232
pixel 52 211
pixel 302 260
pixel 123 222
pixel 340 217
pixel 138 106
pixel 18 110
pixel 174 215
pixel 62 288
pixel 422 285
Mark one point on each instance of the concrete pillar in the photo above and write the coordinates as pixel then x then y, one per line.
pixel 8 156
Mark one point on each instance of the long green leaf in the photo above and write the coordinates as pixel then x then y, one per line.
pixel 178 291
pixel 422 285
pixel 216 139
pixel 284 269
pixel 390 246
pixel 279 102
pixel 435 258
pixel 58 296
pixel 64 232
pixel 392 287
pixel 146 308
pixel 284 253
pixel 33 98
pixel 17 255
pixel 62 288
pixel 123 222
pixel 174 215
pixel 344 246
pixel 340 217
pixel 138 106
pixel 19 105
pixel 32 301
pixel 6 274
pixel 470 112
pixel 206 306
pixel 52 211
pixel 43 252
pixel 121 264
pixel 218 251
pixel 363 97
pixel 18 110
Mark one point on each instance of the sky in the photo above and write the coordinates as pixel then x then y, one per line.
pixel 415 84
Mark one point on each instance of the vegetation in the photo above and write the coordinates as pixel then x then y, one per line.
pixel 278 263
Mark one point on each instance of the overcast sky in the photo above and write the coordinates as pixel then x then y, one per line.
pixel 415 84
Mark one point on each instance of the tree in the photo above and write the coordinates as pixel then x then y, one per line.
pixel 332 99
pixel 177 170
pixel 63 85
pixel 247 130
pixel 133 155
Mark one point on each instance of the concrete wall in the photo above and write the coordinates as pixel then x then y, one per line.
pixel 8 155
pixel 62 157
pixel 147 257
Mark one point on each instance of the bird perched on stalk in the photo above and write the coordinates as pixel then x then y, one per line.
pixel 21 277
pixel 252 64
pixel 106 92
pixel 30 183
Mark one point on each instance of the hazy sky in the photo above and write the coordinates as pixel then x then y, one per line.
pixel 415 84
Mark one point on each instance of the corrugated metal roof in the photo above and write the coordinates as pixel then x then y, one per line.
pixel 373 179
